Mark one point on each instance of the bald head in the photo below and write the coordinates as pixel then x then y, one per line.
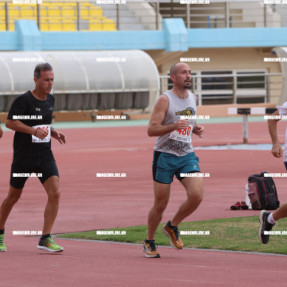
pixel 180 74
pixel 174 68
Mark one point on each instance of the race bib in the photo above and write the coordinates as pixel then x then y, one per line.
pixel 47 139
pixel 182 135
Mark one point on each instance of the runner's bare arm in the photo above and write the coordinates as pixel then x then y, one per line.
pixel 156 128
pixel 198 130
pixel 61 138
pixel 1 132
pixel 277 150
pixel 18 126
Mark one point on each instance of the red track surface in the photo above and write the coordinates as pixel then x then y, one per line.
pixel 91 203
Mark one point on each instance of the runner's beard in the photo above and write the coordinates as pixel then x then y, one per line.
pixel 187 86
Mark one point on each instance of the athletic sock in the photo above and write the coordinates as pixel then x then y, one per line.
pixel 2 231
pixel 270 219
pixel 45 236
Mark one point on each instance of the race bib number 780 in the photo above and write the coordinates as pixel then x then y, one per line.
pixel 47 139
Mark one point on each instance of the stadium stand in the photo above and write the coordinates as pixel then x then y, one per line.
pixel 58 16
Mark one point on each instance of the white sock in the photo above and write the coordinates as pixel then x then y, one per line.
pixel 270 219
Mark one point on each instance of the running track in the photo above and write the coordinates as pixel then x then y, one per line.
pixel 92 203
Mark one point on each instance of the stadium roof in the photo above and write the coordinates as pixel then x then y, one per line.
pixel 82 72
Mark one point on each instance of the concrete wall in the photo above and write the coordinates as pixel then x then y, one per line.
pixel 173 37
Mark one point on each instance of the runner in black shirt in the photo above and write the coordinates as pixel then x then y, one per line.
pixel 30 117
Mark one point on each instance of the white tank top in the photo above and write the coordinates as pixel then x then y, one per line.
pixel 178 142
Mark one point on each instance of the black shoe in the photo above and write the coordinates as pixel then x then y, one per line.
pixel 264 226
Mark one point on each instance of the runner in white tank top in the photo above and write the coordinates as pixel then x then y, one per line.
pixel 176 142
pixel 266 218
pixel 173 156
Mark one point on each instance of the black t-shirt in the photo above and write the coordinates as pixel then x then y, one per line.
pixel 39 113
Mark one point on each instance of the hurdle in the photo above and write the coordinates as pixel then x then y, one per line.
pixel 245 112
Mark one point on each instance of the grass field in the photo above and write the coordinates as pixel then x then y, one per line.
pixel 237 234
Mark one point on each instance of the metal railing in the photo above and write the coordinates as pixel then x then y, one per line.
pixel 226 14
pixel 232 88
pixel 133 16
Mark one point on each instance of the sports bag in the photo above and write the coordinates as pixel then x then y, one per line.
pixel 262 192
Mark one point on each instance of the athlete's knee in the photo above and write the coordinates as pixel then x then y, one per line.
pixel 160 206
pixel 54 194
pixel 52 188
pixel 196 196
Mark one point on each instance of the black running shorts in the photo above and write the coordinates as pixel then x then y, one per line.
pixel 42 168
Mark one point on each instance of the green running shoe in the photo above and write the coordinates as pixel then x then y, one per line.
pixel 2 244
pixel 49 244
